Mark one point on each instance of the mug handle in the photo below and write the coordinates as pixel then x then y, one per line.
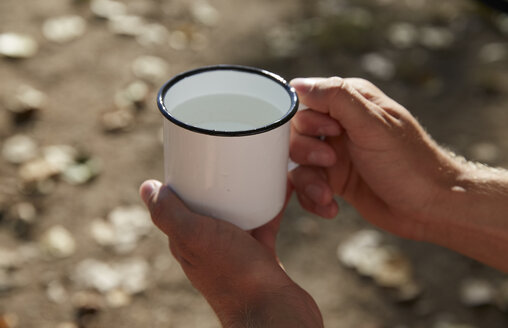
pixel 292 165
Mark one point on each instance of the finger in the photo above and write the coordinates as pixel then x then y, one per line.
pixel 336 97
pixel 168 212
pixel 306 150
pixel 328 211
pixel 315 124
pixel 267 234
pixel 309 181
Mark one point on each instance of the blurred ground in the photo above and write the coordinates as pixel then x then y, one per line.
pixel 446 61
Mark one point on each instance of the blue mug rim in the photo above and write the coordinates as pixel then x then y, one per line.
pixel 240 68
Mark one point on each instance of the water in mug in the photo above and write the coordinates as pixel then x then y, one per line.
pixel 227 112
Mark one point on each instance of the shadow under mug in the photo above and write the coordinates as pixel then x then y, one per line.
pixel 238 176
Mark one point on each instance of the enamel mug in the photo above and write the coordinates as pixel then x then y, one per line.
pixel 234 172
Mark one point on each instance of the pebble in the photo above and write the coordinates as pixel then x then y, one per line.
pixel 56 292
pixel 150 68
pixel 80 173
pixel 26 102
pixel 19 148
pixel 282 41
pixel 493 52
pixel 133 96
pixel 86 303
pixel 120 119
pixel 403 35
pixel 58 242
pixel 22 216
pixel 59 157
pixel 476 292
pixel 153 35
pixel 9 259
pixel 107 8
pixel 134 273
pixel 178 40
pixel 366 252
pixel 67 325
pixel 130 224
pixel 102 232
pixel 64 29
pixel 379 66
pixel 36 171
pixel 204 13
pixel 117 298
pixel 131 275
pixel 127 25
pixel 15 45
pixel 436 38
pixel 92 273
pixel 485 152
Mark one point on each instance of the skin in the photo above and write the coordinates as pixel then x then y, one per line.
pixel 356 143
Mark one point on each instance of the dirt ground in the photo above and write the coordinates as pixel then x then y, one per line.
pixel 445 73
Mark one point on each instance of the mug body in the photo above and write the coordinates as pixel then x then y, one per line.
pixel 236 175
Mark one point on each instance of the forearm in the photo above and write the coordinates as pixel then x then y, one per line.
pixel 286 307
pixel 475 216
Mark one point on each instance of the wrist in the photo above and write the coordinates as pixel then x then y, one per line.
pixel 473 214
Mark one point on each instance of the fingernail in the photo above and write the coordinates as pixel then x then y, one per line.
pixel 314 192
pixel 302 85
pixel 320 158
pixel 147 189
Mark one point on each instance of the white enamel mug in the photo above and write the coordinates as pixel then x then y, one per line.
pixel 238 176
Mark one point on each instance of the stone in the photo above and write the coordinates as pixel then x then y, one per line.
pixel 403 35
pixel 133 96
pixel 83 172
pixel 150 68
pixel 86 304
pixel 102 232
pixel 59 157
pixel 36 171
pixel 204 13
pixel 58 242
pixel 129 275
pixel 379 66
pixel 127 25
pixel 367 253
pixel 26 102
pixel 19 149
pixel 178 40
pixel 120 119
pixel 476 292
pixel 117 298
pixel 485 152
pixel 493 52
pixel 92 273
pixel 153 35
pixel 22 217
pixel 130 224
pixel 64 29
pixel 56 292
pixel 134 274
pixel 15 45
pixel 436 38
pixel 107 8
pixel 67 325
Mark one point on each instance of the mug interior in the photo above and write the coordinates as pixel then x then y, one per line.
pixel 222 79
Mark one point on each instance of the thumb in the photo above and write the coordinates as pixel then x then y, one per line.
pixel 168 212
pixel 336 97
